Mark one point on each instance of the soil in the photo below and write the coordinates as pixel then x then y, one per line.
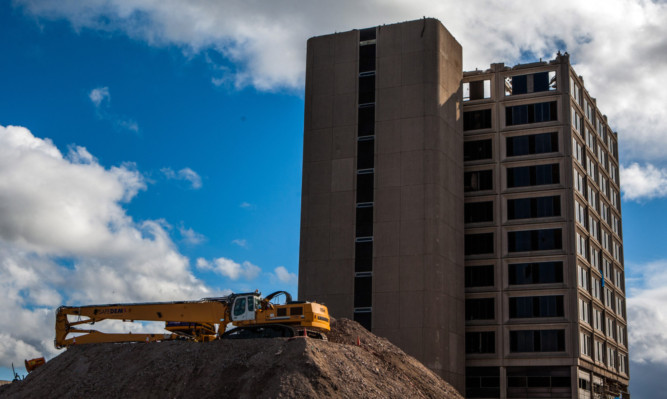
pixel 269 368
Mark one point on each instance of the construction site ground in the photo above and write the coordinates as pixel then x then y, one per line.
pixel 267 368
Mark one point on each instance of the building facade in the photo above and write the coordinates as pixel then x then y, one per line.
pixel 473 219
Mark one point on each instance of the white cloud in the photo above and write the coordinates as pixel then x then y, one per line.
pixel 99 95
pixel 186 174
pixel 617 45
pixel 647 314
pixel 246 205
pixel 190 236
pixel 101 99
pixel 66 239
pixel 229 268
pixel 284 276
pixel 241 242
pixel 643 182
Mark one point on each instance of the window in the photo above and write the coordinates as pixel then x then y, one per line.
pixel 366 34
pixel 480 309
pixel 481 342
pixel 364 221
pixel 593 198
pixel 538 175
pixel 482 382
pixel 597 319
pixel 589 111
pixel 537 207
pixel 365 152
pixel 578 152
pixel 478 180
pixel 595 258
pixel 531 113
pixel 534 240
pixel 367 58
pixel 536 306
pixel 586 344
pixel 604 211
pixel 576 120
pixel 582 246
pixel 535 273
pixel 479 276
pixel 608 297
pixel 366 120
pixel 618 278
pixel 478 244
pixel 584 311
pixel 580 213
pixel 537 341
pixel 474 120
pixel 611 358
pixel 590 140
pixel 532 144
pixel 366 89
pixel 622 363
pixel 365 186
pixel 594 227
pixel 575 91
pixel 476 90
pixel 605 239
pixel 533 382
pixel 583 277
pixel 614 198
pixel 363 317
pixel 595 288
pixel 477 212
pixel 617 251
pixel 477 150
pixel 363 256
pixel 579 183
pixel 615 224
pixel 619 306
pixel 532 83
pixel 599 351
pixel 363 291
pixel 239 307
pixel 620 335
pixel 606 269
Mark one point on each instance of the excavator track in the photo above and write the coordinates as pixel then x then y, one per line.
pixel 272 331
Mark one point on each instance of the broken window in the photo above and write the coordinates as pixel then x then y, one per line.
pixel 477 90
pixel 530 83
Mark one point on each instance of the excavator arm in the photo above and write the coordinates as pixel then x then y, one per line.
pixel 191 319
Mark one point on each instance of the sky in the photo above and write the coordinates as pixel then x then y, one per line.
pixel 151 150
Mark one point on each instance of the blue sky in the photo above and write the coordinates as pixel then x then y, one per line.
pixel 174 132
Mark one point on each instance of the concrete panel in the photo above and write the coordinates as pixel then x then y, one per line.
pixel 412 237
pixel 344 142
pixel 411 273
pixel 386 238
pixel 388 136
pixel 318 243
pixel 388 204
pixel 345 77
pixel 346 47
pixel 322 112
pixel 384 310
pixel 323 80
pixel 342 174
pixel 319 206
pixel 390 106
pixel 344 109
pixel 412 203
pixel 412 68
pixel 388 72
pixel 343 208
pixel 320 51
pixel 412 101
pixel 412 134
pixel 412 168
pixel 317 145
pixel 388 170
pixel 386 274
pixel 318 177
pixel 342 242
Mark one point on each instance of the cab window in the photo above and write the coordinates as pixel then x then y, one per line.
pixel 251 304
pixel 239 307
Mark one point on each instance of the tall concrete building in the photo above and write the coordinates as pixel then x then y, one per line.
pixel 471 218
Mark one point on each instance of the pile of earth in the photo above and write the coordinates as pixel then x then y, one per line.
pixel 271 368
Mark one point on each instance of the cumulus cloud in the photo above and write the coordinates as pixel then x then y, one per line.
pixel 229 268
pixel 66 239
pixel 284 276
pixel 101 99
pixel 263 44
pixel 186 174
pixel 643 182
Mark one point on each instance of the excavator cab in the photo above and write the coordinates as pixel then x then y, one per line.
pixel 244 307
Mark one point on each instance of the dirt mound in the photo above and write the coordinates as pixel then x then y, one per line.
pixel 273 368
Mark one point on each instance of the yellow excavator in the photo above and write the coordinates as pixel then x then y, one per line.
pixel 251 314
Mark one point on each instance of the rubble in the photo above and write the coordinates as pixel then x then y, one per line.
pixel 272 368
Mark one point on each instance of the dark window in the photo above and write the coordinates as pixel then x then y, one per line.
pixel 366 34
pixel 541 81
pixel 296 311
pixel 475 212
pixel 482 382
pixel 363 256
pixel 479 276
pixel 365 152
pixel 537 382
pixel 281 312
pixel 477 89
pixel 366 89
pixel 539 207
pixel 476 150
pixel 366 120
pixel 535 273
pixel 534 240
pixel 363 318
pixel 537 341
pixel 520 84
pixel 481 342
pixel 367 58
pixel 480 119
pixel 531 113
pixel 523 176
pixel 478 180
pixel 536 306
pixel 364 221
pixel 365 187
pixel 532 144
pixel 363 291
pixel 477 244
pixel 480 309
